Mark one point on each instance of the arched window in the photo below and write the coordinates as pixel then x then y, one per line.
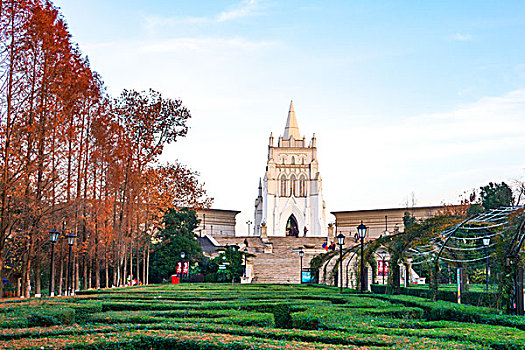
pixel 293 160
pixel 283 185
pixel 302 186
pixel 292 185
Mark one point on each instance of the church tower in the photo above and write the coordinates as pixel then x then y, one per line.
pixel 290 200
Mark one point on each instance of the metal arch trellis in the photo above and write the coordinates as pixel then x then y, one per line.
pixel 462 244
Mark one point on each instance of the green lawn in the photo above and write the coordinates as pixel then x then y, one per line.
pixel 214 316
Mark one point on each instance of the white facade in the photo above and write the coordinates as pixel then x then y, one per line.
pixel 290 200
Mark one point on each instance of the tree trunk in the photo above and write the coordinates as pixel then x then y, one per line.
pixel 77 277
pixel 38 278
pixel 147 268
pixel 131 261
pixel 97 265
pixel 61 274
pixel 137 267
pixel 106 263
pixel 144 266
pixel 89 273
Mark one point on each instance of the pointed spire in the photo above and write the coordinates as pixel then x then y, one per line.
pixel 291 129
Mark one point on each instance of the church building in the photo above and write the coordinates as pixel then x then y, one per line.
pixel 290 200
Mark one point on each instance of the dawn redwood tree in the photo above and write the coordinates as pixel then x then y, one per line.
pixel 75 159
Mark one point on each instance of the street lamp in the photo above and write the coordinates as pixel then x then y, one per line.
pixel 248 223
pixel 182 256
pixel 341 242
pixel 361 230
pixel 486 243
pixel 383 256
pixel 71 241
pixel 301 254
pixel 224 270
pixel 245 261
pixel 53 237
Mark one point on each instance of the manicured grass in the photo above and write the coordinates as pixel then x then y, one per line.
pixel 215 316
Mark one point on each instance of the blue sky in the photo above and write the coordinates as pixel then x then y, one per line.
pixel 404 96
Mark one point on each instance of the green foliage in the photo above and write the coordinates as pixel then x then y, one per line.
pixel 234 267
pixel 46 317
pixel 175 237
pixel 496 195
pixel 226 316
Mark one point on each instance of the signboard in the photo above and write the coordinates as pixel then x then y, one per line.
pixel 222 267
pixel 306 276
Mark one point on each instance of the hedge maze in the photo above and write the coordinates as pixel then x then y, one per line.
pixel 213 316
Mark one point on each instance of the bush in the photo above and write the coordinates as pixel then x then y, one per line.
pixel 197 278
pixel 46 317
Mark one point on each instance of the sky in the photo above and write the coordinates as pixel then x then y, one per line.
pixel 410 101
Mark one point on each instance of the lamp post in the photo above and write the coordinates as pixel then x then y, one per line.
pixel 486 243
pixel 245 261
pixel 182 256
pixel 71 241
pixel 301 254
pixel 341 242
pixel 224 270
pixel 383 256
pixel 361 230
pixel 248 223
pixel 53 237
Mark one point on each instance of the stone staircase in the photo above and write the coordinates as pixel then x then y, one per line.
pixel 277 262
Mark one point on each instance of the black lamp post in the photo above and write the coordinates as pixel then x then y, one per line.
pixel 486 243
pixel 53 237
pixel 224 270
pixel 301 254
pixel 182 256
pixel 341 242
pixel 383 256
pixel 245 261
pixel 71 241
pixel 361 230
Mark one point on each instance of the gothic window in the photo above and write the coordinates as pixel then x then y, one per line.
pixel 292 185
pixel 283 185
pixel 302 186
pixel 293 160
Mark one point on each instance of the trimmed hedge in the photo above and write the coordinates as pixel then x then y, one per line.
pixel 470 298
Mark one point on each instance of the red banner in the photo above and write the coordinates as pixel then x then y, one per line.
pixel 380 268
pixel 186 269
pixel 179 268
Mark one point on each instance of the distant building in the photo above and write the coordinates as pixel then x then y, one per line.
pixel 216 222
pixel 379 221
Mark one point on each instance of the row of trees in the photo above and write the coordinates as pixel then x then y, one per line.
pixel 75 159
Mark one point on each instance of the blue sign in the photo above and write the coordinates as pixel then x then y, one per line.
pixel 307 277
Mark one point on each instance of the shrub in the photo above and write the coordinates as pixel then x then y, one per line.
pixel 46 317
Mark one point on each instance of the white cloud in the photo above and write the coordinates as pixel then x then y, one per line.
pixel 210 45
pixel 245 8
pixel 461 37
pixel 240 10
